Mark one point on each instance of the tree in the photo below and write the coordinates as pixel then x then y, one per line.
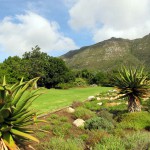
pixel 12 68
pixel 51 70
pixel 132 83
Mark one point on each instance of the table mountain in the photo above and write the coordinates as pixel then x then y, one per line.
pixel 110 54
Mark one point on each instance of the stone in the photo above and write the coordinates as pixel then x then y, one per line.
pixel 98 98
pixel 79 122
pixel 100 103
pixel 70 110
pixel 91 98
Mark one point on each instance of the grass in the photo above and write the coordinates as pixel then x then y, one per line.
pixel 54 99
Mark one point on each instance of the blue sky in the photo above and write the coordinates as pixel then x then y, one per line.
pixel 58 26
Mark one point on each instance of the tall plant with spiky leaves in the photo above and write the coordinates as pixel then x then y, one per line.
pixel 15 113
pixel 132 83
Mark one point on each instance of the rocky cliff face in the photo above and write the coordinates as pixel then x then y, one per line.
pixel 110 53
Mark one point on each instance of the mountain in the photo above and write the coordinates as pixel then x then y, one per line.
pixel 110 54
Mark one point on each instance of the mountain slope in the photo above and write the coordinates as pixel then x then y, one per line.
pixel 110 53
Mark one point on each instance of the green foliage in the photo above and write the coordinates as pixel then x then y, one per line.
pixel 137 141
pixel 46 127
pixel 110 143
pixel 132 141
pixel 98 123
pixel 40 135
pixel 35 63
pixel 62 144
pixel 80 82
pixel 15 112
pixel 83 113
pixel 106 115
pixel 136 121
pixel 92 105
pixel 61 130
pixel 132 81
pixel 76 104
pixel 94 137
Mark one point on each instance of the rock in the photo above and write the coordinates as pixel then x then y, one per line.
pixel 70 110
pixel 100 103
pixel 98 98
pixel 91 98
pixel 113 104
pixel 79 123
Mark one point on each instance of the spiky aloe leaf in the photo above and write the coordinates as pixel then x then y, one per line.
pixel 25 135
pixel 10 143
pixel 5 128
pixel 21 91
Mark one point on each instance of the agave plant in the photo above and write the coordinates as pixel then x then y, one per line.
pixel 133 84
pixel 15 113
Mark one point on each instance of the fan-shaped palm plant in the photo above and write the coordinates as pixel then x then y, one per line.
pixel 133 84
pixel 15 114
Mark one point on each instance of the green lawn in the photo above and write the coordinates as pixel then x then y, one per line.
pixel 54 99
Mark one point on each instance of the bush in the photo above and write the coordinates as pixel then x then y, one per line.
pixel 106 115
pixel 110 143
pixel 136 120
pixel 40 135
pixel 80 82
pixel 64 85
pixel 76 104
pixel 94 137
pixel 83 113
pixel 61 130
pixel 54 116
pixel 137 141
pixel 92 105
pixel 98 123
pixel 132 141
pixel 46 127
pixel 62 144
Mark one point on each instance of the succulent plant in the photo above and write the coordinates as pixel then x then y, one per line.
pixel 15 113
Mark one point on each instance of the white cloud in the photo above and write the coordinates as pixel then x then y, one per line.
pixel 107 18
pixel 22 32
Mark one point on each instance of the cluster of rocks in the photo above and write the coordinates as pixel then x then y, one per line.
pixel 80 122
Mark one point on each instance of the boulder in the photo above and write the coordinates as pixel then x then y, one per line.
pixel 70 110
pixel 98 98
pixel 100 103
pixel 79 123
pixel 91 98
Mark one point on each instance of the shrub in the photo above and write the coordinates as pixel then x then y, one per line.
pixel 83 113
pixel 136 120
pixel 76 104
pixel 63 119
pixel 62 144
pixel 94 137
pixel 80 82
pixel 110 143
pixel 106 115
pixel 40 135
pixel 46 127
pixel 61 130
pixel 92 105
pixel 137 141
pixel 98 123
pixel 64 85
pixel 54 116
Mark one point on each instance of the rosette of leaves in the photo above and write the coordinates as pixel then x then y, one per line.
pixel 132 83
pixel 15 113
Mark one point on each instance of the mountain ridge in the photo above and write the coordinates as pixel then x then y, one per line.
pixel 110 53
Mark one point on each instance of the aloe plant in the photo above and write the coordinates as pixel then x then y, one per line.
pixel 15 113
pixel 133 84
